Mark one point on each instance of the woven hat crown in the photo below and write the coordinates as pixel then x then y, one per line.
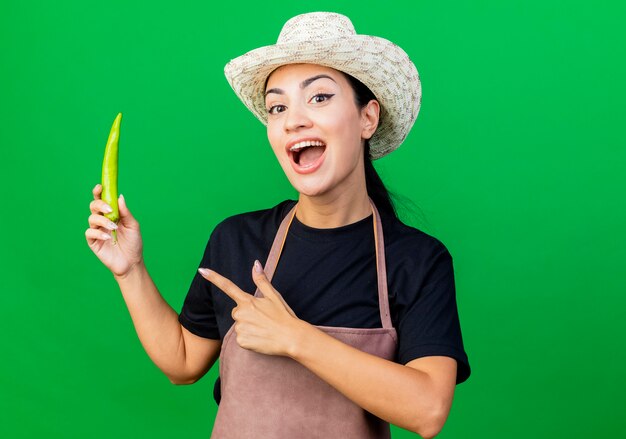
pixel 315 26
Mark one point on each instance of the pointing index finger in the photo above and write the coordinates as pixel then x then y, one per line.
pixel 224 284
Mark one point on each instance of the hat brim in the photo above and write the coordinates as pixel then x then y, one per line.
pixel 378 63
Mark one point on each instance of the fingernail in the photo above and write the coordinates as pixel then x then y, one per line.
pixel 122 198
pixel 108 209
pixel 257 267
pixel 111 225
pixel 204 271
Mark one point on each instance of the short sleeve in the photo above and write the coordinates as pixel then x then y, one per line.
pixel 198 314
pixel 429 322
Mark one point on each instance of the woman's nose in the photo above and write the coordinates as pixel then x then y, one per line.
pixel 296 118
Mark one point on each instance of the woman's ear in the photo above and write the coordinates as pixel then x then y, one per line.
pixel 369 117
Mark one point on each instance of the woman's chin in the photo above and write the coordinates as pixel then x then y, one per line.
pixel 309 191
pixel 310 187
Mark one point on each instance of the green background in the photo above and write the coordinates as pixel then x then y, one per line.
pixel 516 162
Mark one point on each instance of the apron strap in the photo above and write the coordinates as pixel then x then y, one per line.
pixel 277 246
pixel 381 266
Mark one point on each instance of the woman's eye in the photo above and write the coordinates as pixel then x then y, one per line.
pixel 271 109
pixel 318 98
pixel 325 97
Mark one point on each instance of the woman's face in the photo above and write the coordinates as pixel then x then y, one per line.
pixel 316 129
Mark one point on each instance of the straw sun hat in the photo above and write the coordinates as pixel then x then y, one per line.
pixel 329 39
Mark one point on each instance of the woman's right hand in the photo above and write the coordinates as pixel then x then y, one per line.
pixel 128 251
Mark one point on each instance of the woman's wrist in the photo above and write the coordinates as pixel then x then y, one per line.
pixel 134 270
pixel 301 335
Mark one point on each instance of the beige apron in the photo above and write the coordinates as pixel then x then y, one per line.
pixel 275 397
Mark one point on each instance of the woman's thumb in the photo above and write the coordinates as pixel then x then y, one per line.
pixel 125 216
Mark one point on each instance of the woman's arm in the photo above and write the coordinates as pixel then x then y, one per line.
pixel 416 396
pixel 182 356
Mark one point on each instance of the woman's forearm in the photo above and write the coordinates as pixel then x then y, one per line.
pixel 155 321
pixel 400 395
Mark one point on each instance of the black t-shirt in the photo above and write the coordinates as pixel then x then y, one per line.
pixel 328 277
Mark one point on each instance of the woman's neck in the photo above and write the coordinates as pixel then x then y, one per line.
pixel 331 210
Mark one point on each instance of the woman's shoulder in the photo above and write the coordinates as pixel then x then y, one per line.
pixel 255 221
pixel 411 244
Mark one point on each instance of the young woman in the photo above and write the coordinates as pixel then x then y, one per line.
pixel 354 323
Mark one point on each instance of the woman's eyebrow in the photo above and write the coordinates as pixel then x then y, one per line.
pixel 303 84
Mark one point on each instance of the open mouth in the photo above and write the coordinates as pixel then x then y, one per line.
pixel 307 153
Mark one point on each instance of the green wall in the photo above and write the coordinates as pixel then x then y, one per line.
pixel 516 162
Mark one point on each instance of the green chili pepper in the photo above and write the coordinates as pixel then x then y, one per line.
pixel 109 174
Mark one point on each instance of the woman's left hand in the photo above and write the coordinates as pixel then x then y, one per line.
pixel 262 324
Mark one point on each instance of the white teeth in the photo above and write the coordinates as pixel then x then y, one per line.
pixel 305 144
